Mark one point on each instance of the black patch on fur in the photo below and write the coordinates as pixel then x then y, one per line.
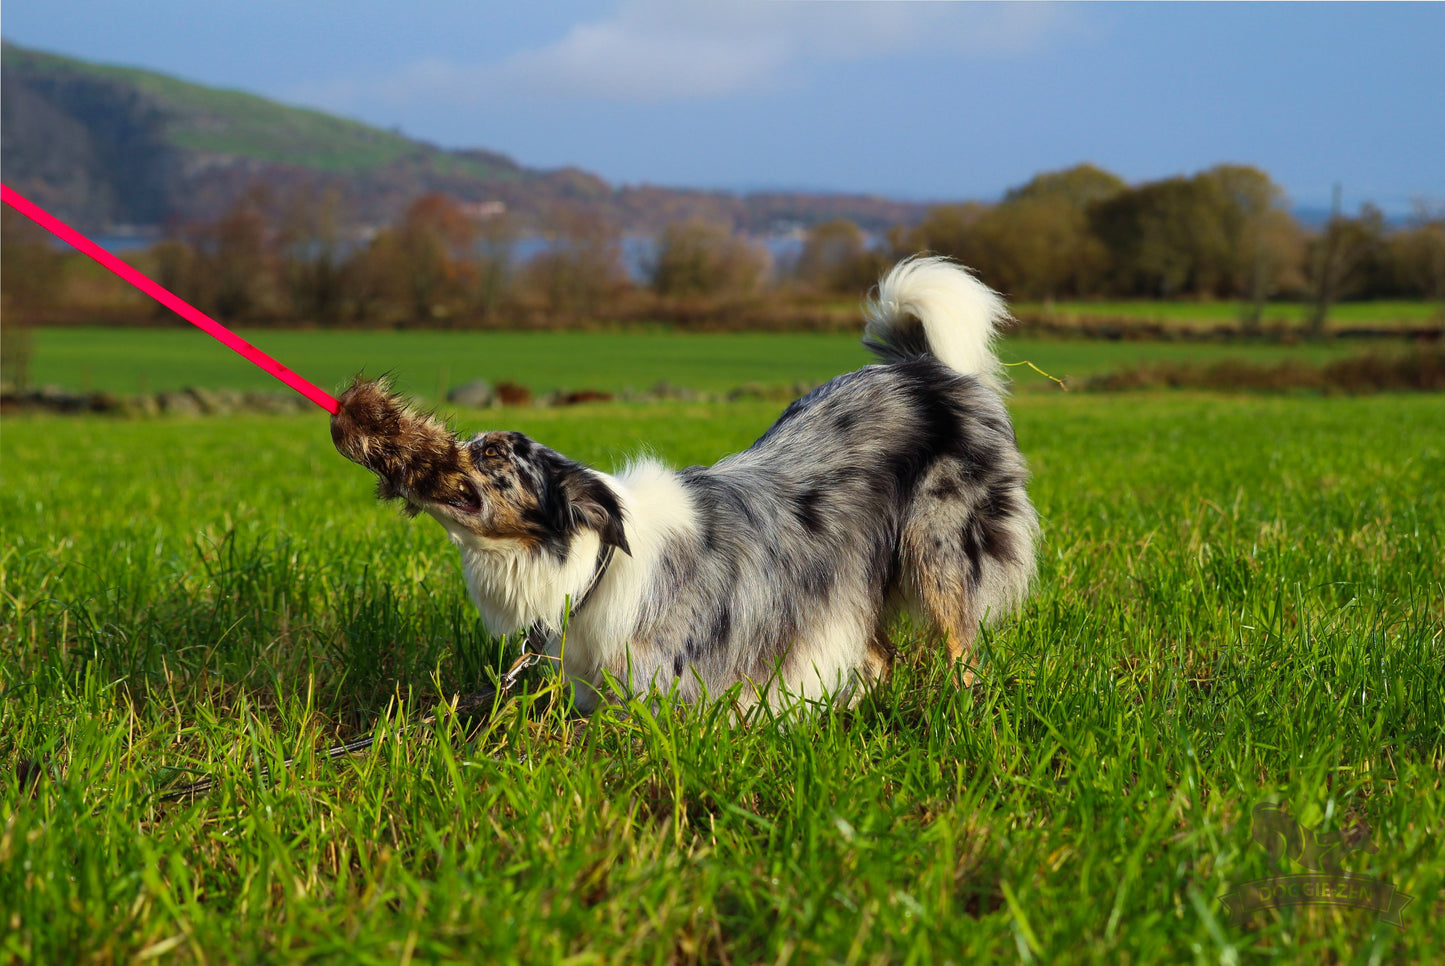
pixel 998 500
pixel 816 577
pixel 936 420
pixel 997 542
pixel 846 421
pixel 575 498
pixel 678 663
pixel 722 626
pixel 992 523
pixel 883 561
pixel 973 550
pixel 805 508
pixel 709 531
pixel 522 447
pixel 718 502
pixel 907 340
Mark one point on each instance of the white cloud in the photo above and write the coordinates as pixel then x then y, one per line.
pixel 649 58
pixel 653 51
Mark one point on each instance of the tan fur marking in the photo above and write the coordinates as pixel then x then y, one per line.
pixel 960 649
pixel 879 657
pixel 507 519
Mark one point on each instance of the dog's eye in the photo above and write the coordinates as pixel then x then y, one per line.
pixel 492 452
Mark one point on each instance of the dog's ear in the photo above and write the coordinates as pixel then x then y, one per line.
pixel 579 499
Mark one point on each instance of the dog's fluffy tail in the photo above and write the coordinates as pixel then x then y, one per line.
pixel 928 305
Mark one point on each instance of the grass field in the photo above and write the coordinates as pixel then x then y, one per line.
pixel 1240 599
pixel 134 360
pixel 1365 314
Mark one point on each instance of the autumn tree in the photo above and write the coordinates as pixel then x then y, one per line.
pixel 697 257
pixel 227 266
pixel 949 230
pixel 836 257
pixel 494 252
pixel 1036 248
pixel 1422 251
pixel 1080 186
pixel 1269 260
pixel 1164 238
pixel 432 249
pixel 1040 235
pixel 233 270
pixel 1035 243
pixel 582 264
pixel 1258 242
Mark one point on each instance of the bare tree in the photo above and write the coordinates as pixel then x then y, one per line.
pixel 313 261
pixel 1339 251
pixel 582 264
pixel 494 250
pixel 1269 256
pixel 30 274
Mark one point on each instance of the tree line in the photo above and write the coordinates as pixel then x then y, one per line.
pixel 1222 234
pixel 1080 233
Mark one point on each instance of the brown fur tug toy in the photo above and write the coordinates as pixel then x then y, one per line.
pixel 411 453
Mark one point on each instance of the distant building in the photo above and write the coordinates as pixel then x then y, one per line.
pixel 482 210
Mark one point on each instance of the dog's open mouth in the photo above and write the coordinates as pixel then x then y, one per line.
pixel 464 501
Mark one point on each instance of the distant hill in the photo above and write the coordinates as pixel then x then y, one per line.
pixel 109 147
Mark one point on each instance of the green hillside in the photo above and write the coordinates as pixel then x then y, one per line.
pixel 105 145
pixel 228 122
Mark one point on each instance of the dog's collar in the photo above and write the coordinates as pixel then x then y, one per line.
pixel 605 553
pixel 534 645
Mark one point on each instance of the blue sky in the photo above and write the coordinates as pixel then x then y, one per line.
pixel 929 101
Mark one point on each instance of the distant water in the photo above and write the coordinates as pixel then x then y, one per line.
pixel 119 244
pixel 639 252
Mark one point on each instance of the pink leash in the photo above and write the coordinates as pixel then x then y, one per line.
pixel 176 304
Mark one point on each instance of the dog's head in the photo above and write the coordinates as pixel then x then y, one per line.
pixel 497 486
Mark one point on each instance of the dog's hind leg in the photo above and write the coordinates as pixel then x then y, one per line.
pixel 942 580
pixel 960 651
pixel 940 589
pixel 967 550
pixel 877 663
pixel 879 656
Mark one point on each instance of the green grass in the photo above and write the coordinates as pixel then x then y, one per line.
pixel 1239 599
pixel 1343 314
pixel 132 360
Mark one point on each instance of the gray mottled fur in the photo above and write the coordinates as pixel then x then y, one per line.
pixel 898 485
